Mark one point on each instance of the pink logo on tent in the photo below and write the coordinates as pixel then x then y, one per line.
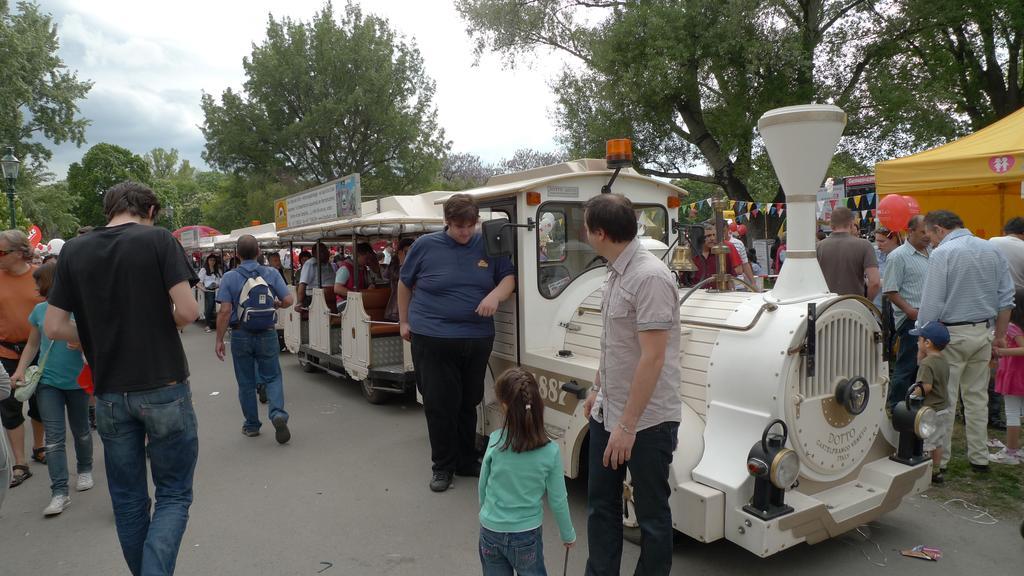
pixel 1001 164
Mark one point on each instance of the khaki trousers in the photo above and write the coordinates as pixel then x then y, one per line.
pixel 968 355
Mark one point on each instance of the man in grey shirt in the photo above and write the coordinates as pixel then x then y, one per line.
pixel 634 406
pixel 1012 247
pixel 847 260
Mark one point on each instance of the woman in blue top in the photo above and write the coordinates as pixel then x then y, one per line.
pixel 447 296
pixel 521 465
pixel 58 389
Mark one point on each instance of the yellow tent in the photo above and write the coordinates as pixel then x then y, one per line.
pixel 979 176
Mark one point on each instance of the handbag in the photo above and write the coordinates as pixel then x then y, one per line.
pixel 32 376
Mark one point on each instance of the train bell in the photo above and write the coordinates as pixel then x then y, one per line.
pixel 682 260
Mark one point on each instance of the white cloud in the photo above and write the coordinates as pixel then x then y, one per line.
pixel 151 61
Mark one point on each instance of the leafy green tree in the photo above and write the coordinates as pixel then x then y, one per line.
pixel 177 185
pixel 327 98
pixel 51 206
pixel 688 79
pixel 101 167
pixel 38 94
pixel 959 66
pixel 528 159
pixel 461 171
pixel 237 200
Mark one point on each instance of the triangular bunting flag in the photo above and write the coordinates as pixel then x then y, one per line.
pixel 858 200
pixel 871 199
pixel 833 203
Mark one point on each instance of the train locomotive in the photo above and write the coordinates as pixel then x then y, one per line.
pixel 784 437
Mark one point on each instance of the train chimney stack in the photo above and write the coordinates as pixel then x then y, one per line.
pixel 801 141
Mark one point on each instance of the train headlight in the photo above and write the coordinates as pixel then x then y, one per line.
pixel 785 469
pixel 775 469
pixel 853 394
pixel 926 422
pixel 914 421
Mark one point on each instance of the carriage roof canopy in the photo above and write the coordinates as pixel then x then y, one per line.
pixel 978 176
pixel 515 182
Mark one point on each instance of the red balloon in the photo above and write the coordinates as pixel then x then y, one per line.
pixel 912 204
pixel 732 226
pixel 742 229
pixel 894 212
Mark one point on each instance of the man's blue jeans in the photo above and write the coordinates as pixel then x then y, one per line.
pixel 648 467
pixel 501 553
pixel 256 359
pixel 162 422
pixel 52 402
pixel 903 370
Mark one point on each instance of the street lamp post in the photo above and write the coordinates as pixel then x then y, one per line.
pixel 11 166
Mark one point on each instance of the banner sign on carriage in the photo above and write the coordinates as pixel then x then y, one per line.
pixel 341 198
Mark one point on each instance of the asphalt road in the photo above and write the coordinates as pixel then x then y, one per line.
pixel 349 496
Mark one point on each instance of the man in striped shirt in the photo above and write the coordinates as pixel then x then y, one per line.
pixel 968 288
pixel 902 283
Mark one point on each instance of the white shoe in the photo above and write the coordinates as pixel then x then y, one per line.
pixel 1004 457
pixel 57 505
pixel 995 443
pixel 85 482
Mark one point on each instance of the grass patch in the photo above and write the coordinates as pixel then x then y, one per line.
pixel 1001 491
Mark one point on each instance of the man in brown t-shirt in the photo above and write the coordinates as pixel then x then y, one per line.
pixel 19 297
pixel 847 260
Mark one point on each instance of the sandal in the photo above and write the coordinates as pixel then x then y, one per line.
pixel 17 479
pixel 39 455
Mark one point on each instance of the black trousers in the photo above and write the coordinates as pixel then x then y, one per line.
pixel 210 305
pixel 450 376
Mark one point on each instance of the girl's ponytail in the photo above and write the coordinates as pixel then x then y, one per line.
pixel 524 428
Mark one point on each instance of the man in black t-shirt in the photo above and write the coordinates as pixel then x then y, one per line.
pixel 129 286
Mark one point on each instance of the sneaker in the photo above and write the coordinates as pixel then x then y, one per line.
pixel 207 330
pixel 938 478
pixel 995 443
pixel 1005 457
pixel 281 432
pixel 250 433
pixel 261 392
pixel 85 482
pixel 57 505
pixel 441 481
pixel 980 468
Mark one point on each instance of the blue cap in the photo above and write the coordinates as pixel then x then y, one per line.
pixel 934 331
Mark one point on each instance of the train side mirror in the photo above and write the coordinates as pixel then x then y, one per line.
pixel 499 238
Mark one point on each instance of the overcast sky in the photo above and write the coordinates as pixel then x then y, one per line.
pixel 151 61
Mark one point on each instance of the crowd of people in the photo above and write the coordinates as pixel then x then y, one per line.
pixel 950 298
pixel 954 305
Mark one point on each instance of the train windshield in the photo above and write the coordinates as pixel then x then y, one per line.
pixel 563 253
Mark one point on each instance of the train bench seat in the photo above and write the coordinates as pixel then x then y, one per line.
pixel 375 301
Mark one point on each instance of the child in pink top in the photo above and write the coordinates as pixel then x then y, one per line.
pixel 1010 383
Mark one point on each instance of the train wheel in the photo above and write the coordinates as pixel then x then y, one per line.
pixel 372 395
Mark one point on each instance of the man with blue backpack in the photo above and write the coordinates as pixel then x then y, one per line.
pixel 249 297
